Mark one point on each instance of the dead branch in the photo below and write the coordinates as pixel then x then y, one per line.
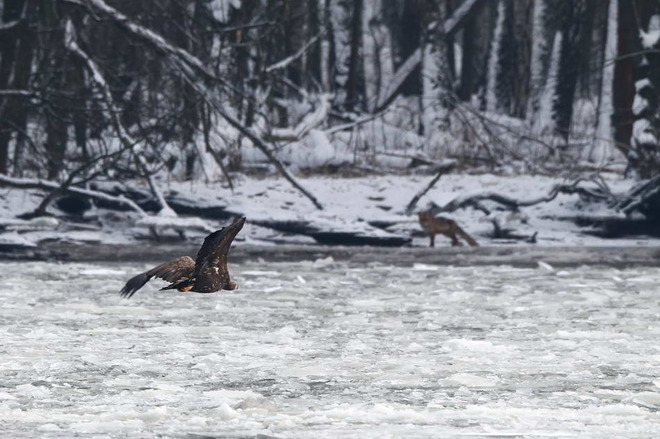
pixel 10 26
pixel 512 204
pixel 9 92
pixel 443 169
pixel 288 60
pixel 48 200
pixel 71 44
pixel 261 145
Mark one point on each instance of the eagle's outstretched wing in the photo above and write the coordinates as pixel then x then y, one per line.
pixel 172 271
pixel 214 251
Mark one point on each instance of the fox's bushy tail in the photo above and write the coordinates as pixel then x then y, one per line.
pixel 463 234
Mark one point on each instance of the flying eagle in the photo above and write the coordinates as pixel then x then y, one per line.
pixel 207 274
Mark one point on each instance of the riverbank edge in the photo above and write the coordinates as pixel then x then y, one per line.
pixel 617 257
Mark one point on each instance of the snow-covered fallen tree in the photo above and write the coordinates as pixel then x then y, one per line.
pixel 29 183
pixel 598 192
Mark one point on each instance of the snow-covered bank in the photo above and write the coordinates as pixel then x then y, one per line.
pixel 322 349
pixel 351 204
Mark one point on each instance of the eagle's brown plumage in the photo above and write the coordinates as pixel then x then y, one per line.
pixel 207 274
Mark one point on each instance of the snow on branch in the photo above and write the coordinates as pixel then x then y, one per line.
pixel 256 141
pixel 71 44
pixel 9 92
pixel 211 99
pixel 192 67
pixel 158 42
pixel 9 26
pixel 651 38
pixel 444 168
pixel 290 59
pixel 393 86
pixel 309 122
pixel 29 183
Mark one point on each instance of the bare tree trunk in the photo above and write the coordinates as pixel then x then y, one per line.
pixel 347 76
pixel 539 57
pixel 437 78
pixel 624 78
pixel 476 36
pixel 56 108
pixel 355 82
pixel 16 49
pixel 404 21
pixel 520 65
pixel 313 76
pixel 296 14
pixel 573 16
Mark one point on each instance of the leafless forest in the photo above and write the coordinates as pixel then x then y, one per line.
pixel 201 89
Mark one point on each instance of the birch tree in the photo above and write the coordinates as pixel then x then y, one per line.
pixel 540 55
pixel 494 59
pixel 603 148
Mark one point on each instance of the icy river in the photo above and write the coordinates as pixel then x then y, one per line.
pixel 325 349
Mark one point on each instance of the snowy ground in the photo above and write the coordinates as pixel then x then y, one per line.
pixel 330 350
pixel 350 203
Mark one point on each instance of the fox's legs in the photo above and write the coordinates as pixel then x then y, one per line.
pixel 432 236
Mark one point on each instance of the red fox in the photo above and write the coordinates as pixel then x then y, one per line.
pixel 448 227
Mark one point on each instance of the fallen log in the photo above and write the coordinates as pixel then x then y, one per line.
pixel 216 209
pixel 333 234
pixel 46 185
pixel 613 227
